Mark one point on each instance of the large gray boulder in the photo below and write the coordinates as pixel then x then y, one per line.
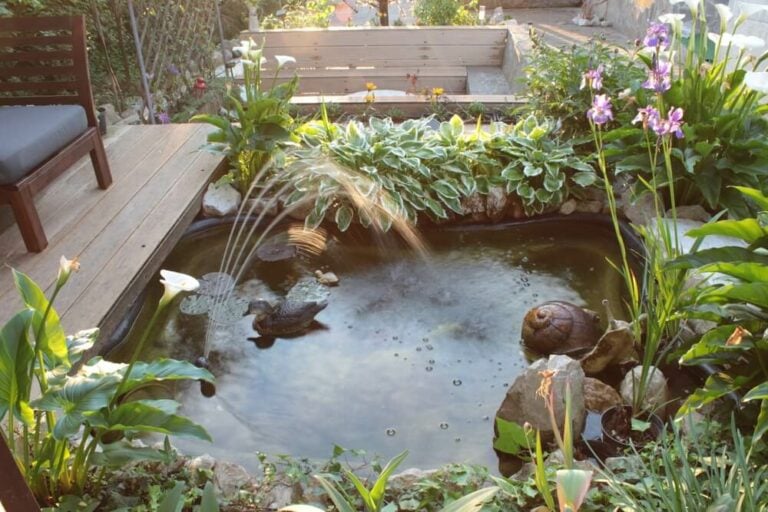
pixel 522 404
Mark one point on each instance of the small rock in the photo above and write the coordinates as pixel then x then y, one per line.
pixel 473 204
pixel 656 393
pixel 599 396
pixel 497 17
pixel 496 203
pixel 230 478
pixel 691 212
pixel 202 463
pixel 640 210
pixel 521 403
pixel 221 200
pixel 589 206
pixel 280 496
pixel 327 278
pixel 298 210
pixel 692 424
pixel 568 207
pixel 408 479
pixel 265 206
pixel 556 458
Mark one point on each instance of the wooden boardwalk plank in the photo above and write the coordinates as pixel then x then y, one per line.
pixel 118 234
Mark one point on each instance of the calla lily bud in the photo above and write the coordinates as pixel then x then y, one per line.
pixel 175 282
pixel 66 267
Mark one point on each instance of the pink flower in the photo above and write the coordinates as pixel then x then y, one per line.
pixel 657 35
pixel 649 116
pixel 659 77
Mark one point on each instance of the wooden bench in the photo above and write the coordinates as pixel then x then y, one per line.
pixel 47 116
pixel 339 61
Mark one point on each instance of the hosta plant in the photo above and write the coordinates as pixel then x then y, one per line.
pixel 733 293
pixel 86 412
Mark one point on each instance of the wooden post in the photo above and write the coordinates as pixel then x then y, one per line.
pixel 384 13
pixel 15 494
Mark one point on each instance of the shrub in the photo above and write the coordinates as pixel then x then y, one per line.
pixel 446 12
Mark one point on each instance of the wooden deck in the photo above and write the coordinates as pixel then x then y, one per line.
pixel 120 235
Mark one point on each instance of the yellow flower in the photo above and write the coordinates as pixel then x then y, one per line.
pixel 371 86
pixel 437 91
pixel 370 97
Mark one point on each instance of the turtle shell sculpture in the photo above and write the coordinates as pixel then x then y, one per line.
pixel 559 327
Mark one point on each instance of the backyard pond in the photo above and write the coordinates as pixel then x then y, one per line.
pixel 412 352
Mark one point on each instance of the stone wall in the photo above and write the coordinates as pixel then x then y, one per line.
pixel 755 25
pixel 630 17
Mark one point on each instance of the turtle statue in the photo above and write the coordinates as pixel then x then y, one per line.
pixel 292 316
pixel 559 327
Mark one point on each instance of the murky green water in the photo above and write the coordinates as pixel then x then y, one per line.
pixel 414 354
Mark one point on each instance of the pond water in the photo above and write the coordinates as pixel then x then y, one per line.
pixel 413 353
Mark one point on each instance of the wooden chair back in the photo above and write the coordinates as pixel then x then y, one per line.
pixel 44 61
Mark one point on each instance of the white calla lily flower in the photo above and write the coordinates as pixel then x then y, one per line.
pixel 748 42
pixel 674 20
pixel 282 60
pixel 748 9
pixel 725 15
pixel 175 282
pixel 66 267
pixel 757 81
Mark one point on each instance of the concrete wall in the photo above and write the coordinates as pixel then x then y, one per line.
pixel 629 16
pixel 515 4
pixel 755 25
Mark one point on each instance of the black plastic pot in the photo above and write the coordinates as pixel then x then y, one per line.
pixel 619 444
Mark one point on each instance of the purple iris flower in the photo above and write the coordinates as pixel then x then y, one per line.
pixel 659 77
pixel 657 35
pixel 164 118
pixel 672 124
pixel 593 78
pixel 600 113
pixel 172 69
pixel 649 116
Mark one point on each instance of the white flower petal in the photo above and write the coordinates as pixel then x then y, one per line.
pixel 757 81
pixel 282 60
pixel 748 42
pixel 725 13
pixel 747 9
pixel 181 281
pixel 715 37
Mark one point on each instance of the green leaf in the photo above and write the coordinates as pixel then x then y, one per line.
pixel 164 369
pixel 81 342
pixel 758 197
pixel 512 438
pixel 78 396
pixel 445 188
pixel 377 493
pixel 471 502
pixel 344 215
pixel 716 386
pixel 759 392
pixel 572 487
pixel 762 422
pixel 750 272
pixel 712 348
pixel 584 179
pixel 751 293
pixel 16 360
pixel 209 503
pixel 717 255
pixel 53 342
pixel 150 416
pixel 748 230
pixel 300 508
pixel 122 452
pixel 173 500
pixel 338 499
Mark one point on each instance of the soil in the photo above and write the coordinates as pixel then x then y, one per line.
pixel 617 423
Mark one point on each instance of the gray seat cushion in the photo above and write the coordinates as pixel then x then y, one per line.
pixel 29 135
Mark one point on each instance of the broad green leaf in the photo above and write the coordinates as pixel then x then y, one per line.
pixel 717 255
pixel 749 272
pixel 173 500
pixel 471 502
pixel 712 348
pixel 377 492
pixel 362 491
pixel 16 360
pixel 584 179
pixel 512 438
pixel 53 342
pixel 81 342
pixel 759 392
pixel 751 293
pixel 758 197
pixel 445 188
pixel 762 422
pixel 209 503
pixel 716 386
pixel 338 499
pixel 164 370
pixel 150 416
pixel 572 487
pixel 78 396
pixel 748 230
pixel 122 452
